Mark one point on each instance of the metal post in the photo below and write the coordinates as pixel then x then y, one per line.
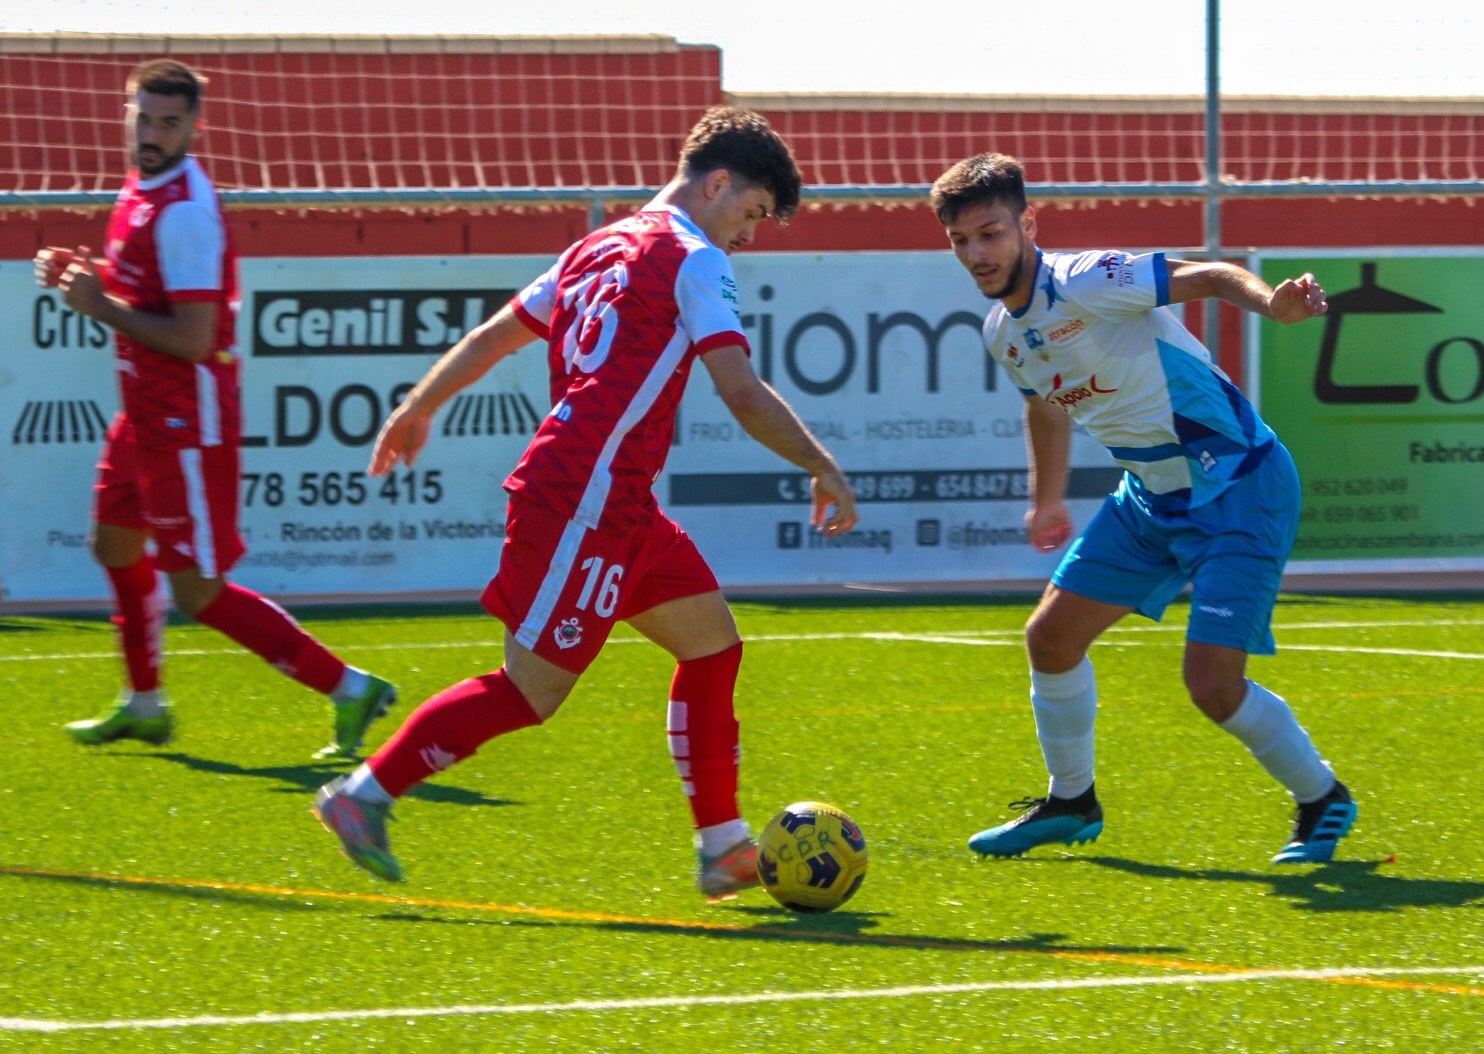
pixel 1213 165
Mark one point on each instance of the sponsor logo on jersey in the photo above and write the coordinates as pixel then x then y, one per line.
pixel 568 633
pixel 1034 339
pixel 1067 398
pixel 1117 267
pixel 1066 332
pixel 1218 612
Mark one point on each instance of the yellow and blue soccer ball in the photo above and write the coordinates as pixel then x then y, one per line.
pixel 811 857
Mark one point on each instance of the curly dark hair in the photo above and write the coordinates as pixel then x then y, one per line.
pixel 979 180
pixel 741 142
pixel 167 77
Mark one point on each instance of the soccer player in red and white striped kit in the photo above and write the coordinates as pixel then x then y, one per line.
pixel 625 313
pixel 170 468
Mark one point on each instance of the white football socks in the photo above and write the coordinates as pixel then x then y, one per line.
pixel 1066 708
pixel 351 687
pixel 146 704
pixel 720 837
pixel 362 784
pixel 1267 727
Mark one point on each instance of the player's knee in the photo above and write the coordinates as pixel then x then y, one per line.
pixel 1049 647
pixel 192 594
pixel 1215 692
pixel 110 551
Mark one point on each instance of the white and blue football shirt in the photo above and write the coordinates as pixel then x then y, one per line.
pixel 1098 340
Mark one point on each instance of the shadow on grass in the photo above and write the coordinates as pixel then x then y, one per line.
pixel 840 927
pixel 298 778
pixel 777 924
pixel 36 624
pixel 1345 885
pixel 205 891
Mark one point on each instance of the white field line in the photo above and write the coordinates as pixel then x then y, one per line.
pixel 969 638
pixel 1421 653
pixel 21 1024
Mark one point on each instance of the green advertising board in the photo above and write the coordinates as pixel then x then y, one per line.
pixel 1381 402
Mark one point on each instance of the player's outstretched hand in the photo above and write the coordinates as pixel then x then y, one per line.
pixel 50 264
pixel 1048 527
pixel 401 438
pixel 1296 299
pixel 834 504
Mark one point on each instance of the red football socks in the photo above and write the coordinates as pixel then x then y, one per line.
pixel 703 734
pixel 267 630
pixel 448 728
pixel 140 621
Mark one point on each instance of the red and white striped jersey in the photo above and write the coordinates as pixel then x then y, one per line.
pixel 625 312
pixel 168 243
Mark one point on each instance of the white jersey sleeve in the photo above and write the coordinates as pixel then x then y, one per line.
pixel 706 294
pixel 537 301
pixel 999 342
pixel 190 244
pixel 1116 284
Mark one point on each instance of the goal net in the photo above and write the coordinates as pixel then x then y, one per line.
pixel 326 114
pixel 418 120
pixel 1123 141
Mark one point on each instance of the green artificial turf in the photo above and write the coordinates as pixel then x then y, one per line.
pixel 173 892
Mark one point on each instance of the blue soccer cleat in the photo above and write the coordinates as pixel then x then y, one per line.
pixel 1041 822
pixel 1318 826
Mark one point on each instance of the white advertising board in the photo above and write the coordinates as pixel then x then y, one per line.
pixel 879 353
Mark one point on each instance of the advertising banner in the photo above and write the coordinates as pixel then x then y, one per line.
pixel 1382 404
pixel 879 353
pixel 328 347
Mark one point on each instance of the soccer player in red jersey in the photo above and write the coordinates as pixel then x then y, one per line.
pixel 167 286
pixel 625 313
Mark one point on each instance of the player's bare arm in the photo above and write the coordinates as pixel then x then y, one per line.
pixel 1294 300
pixel 406 431
pixel 187 332
pixel 772 422
pixel 1048 430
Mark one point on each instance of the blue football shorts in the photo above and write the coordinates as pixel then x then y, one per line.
pixel 1230 550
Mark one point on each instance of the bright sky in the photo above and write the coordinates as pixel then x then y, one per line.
pixel 1077 47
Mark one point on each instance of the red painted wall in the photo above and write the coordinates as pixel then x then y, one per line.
pixel 289 113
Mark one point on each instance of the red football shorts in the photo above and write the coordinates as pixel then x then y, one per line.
pixel 186 500
pixel 561 588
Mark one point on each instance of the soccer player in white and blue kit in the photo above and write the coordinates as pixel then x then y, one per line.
pixel 1209 496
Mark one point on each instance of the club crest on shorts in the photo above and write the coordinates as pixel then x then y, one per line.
pixel 568 633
